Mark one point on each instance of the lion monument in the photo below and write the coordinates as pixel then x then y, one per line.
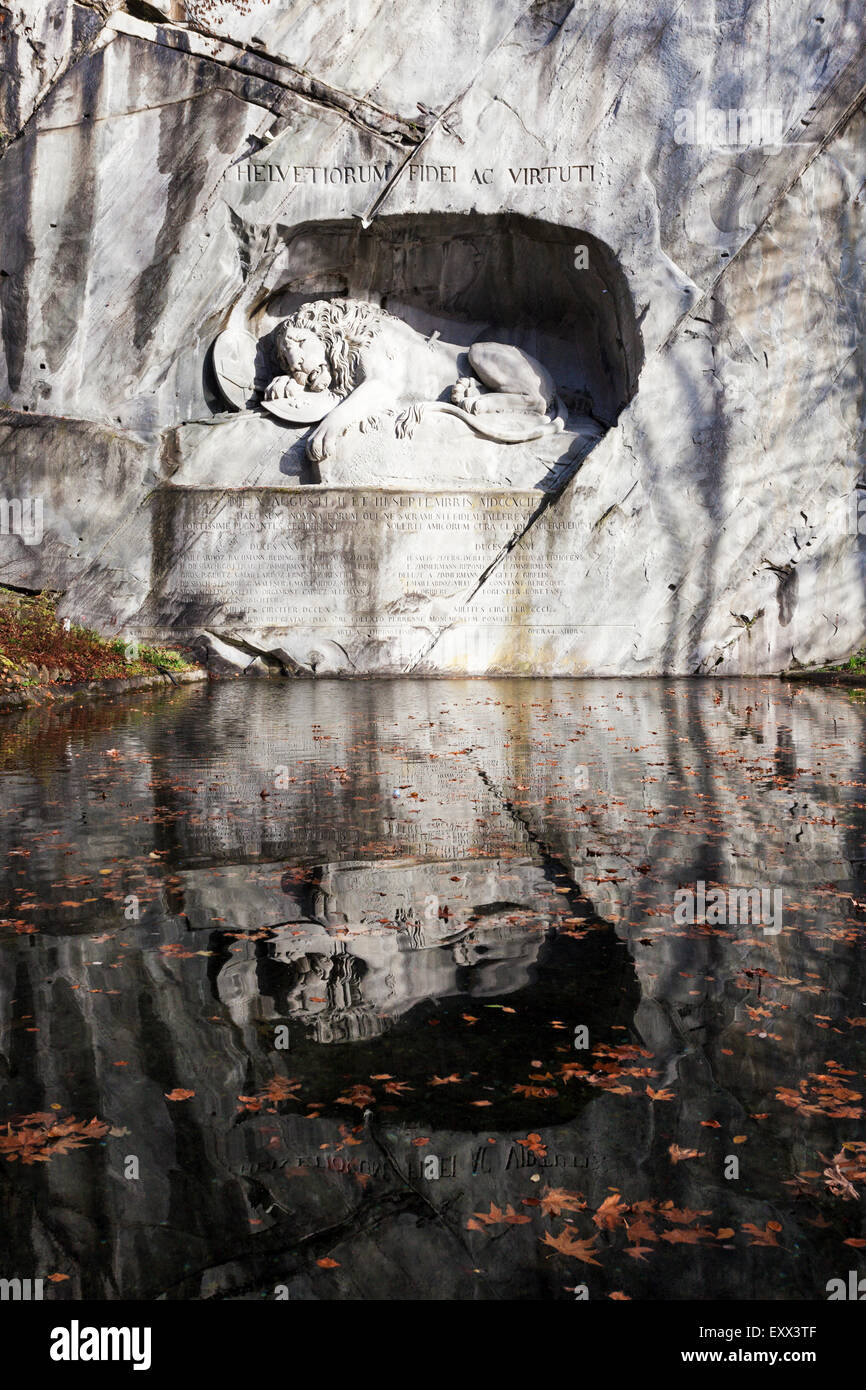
pixel 349 363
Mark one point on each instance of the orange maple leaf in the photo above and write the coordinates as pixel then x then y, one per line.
pixel 677 1154
pixel 659 1095
pixel 610 1213
pixel 533 1143
pixel 361 1096
pixel 556 1200
pixel 641 1230
pixel 767 1236
pixel 681 1218
pixel 568 1244
pixel 496 1216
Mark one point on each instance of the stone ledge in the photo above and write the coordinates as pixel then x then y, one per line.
pixel 825 676
pixel 117 685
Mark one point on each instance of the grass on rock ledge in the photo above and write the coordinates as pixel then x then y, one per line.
pixel 855 665
pixel 36 649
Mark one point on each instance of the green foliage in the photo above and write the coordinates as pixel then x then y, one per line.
pixel 32 636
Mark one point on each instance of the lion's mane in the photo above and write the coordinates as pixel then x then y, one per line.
pixel 344 326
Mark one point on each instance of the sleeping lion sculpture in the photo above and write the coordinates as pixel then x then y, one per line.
pixel 348 363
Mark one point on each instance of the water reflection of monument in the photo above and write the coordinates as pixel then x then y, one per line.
pixel 363 944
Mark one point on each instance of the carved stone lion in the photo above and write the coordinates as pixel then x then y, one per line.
pixel 346 362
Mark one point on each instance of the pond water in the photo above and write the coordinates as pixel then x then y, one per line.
pixel 421 989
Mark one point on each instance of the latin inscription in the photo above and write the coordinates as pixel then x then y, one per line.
pixel 259 171
pixel 381 561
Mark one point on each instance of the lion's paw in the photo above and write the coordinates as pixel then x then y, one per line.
pixel 277 388
pixel 464 392
pixel 322 443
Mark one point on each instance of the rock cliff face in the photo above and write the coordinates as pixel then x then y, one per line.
pixel 664 209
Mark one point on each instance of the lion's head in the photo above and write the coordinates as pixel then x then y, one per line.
pixel 320 344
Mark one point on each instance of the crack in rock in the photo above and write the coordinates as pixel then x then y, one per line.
pixel 278 71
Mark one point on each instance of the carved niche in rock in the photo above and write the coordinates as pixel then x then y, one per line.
pixel 345 363
pixel 431 348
